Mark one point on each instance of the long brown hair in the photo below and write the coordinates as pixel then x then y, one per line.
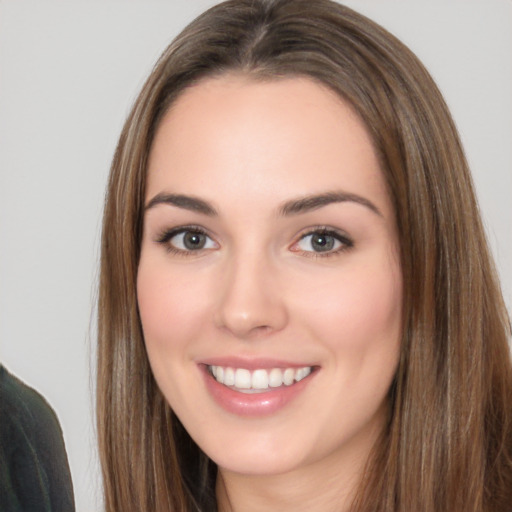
pixel 448 442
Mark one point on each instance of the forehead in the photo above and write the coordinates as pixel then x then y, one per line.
pixel 237 135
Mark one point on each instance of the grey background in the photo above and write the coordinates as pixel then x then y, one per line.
pixel 69 72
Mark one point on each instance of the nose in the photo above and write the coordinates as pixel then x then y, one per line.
pixel 251 303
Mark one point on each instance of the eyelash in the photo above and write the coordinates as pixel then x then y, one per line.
pixel 166 236
pixel 346 243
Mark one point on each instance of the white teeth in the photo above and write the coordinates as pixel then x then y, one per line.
pixel 258 380
pixel 288 376
pixel 229 377
pixel 302 372
pixel 242 378
pixel 275 378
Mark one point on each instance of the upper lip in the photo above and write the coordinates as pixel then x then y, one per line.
pixel 254 363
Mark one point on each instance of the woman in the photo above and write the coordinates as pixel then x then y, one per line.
pixel 297 304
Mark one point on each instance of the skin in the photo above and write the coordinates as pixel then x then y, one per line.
pixel 260 288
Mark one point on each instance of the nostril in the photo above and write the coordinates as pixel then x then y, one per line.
pixel 261 330
pixel 247 330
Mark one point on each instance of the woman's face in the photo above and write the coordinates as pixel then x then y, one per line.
pixel 269 259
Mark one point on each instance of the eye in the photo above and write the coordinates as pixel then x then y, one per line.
pixel 183 240
pixel 323 242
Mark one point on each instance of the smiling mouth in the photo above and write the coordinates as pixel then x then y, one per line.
pixel 260 380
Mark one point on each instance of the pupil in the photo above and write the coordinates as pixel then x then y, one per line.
pixel 322 242
pixel 194 240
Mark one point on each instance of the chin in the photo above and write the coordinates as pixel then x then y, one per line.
pixel 264 463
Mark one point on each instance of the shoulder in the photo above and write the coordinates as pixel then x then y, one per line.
pixel 34 471
pixel 19 403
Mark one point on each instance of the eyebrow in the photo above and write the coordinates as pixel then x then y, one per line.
pixel 293 207
pixel 191 203
pixel 313 202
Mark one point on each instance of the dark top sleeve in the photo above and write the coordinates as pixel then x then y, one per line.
pixel 34 470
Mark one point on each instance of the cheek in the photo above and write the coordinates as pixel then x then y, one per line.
pixel 169 305
pixel 359 306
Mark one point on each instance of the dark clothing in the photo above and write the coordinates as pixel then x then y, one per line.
pixel 34 470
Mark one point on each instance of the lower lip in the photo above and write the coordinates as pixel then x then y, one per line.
pixel 253 404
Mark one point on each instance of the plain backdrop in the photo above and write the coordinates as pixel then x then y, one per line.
pixel 69 72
